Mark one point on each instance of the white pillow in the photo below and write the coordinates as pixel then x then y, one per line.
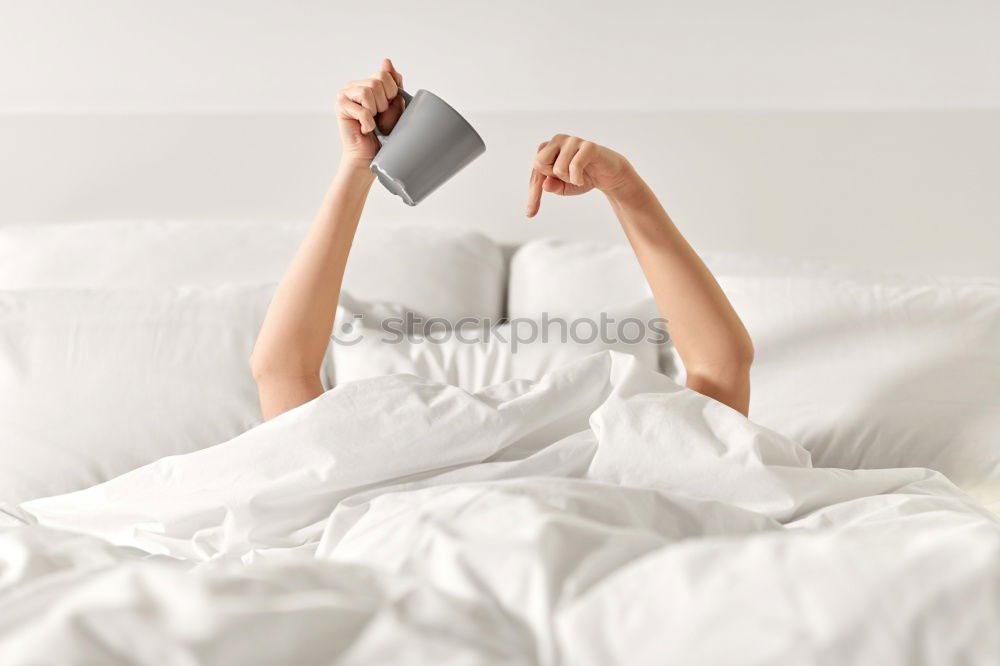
pixel 145 253
pixel 95 383
pixel 473 358
pixel 569 277
pixel 873 375
pixel 573 278
pixel 436 271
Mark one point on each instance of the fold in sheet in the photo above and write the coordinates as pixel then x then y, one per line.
pixel 600 515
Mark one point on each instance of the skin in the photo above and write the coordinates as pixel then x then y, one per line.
pixel 705 329
pixel 708 334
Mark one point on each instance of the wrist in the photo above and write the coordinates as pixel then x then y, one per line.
pixel 355 170
pixel 628 187
pixel 353 176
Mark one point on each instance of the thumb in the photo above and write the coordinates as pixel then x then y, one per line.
pixel 554 185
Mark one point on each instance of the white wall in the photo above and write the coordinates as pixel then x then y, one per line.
pixel 910 191
pixel 68 56
pixel 860 132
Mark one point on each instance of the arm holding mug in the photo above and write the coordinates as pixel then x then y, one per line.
pixel 295 334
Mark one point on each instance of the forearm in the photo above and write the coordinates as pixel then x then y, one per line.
pixel 294 337
pixel 704 327
pixel 296 331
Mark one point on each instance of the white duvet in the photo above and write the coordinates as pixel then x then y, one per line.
pixel 602 516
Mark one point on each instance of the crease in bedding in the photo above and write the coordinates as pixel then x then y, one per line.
pixel 600 515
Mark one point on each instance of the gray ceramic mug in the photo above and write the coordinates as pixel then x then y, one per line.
pixel 430 143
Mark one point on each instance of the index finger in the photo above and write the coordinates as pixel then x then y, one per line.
pixel 535 188
pixel 534 193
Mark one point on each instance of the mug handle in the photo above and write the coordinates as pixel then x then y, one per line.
pixel 407 97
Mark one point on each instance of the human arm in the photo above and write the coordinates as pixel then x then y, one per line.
pixel 295 334
pixel 708 334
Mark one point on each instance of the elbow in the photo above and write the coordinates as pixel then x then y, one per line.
pixel 744 352
pixel 261 369
pixel 264 369
pixel 256 367
pixel 731 368
pixel 726 376
pixel 267 370
pixel 739 352
pixel 730 356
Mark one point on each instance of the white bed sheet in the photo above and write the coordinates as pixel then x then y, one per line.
pixel 600 515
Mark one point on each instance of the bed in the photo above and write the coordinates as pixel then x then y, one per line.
pixel 462 502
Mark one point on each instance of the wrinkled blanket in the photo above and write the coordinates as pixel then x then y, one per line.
pixel 602 515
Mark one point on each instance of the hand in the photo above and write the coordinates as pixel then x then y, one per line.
pixel 362 104
pixel 567 165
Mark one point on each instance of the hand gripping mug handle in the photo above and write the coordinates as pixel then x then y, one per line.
pixel 407 97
